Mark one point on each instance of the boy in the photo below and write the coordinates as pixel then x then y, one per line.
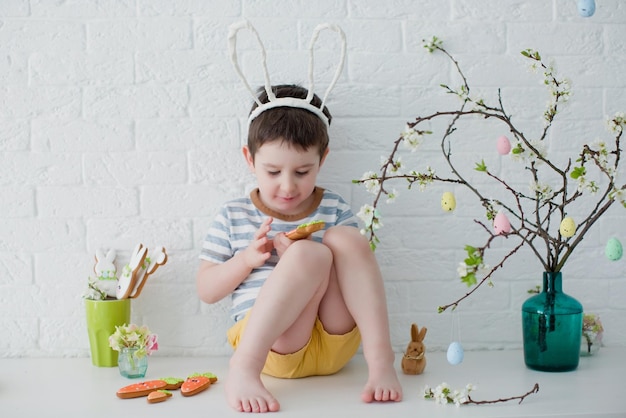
pixel 302 307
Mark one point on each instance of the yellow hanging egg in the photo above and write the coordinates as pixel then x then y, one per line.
pixel 448 202
pixel 568 227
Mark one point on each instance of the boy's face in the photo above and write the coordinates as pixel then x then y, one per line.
pixel 285 175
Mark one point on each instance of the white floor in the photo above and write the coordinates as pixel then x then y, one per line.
pixel 75 388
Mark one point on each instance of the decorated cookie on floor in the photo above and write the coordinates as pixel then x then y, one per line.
pixel 137 390
pixel 197 383
pixel 173 383
pixel 159 396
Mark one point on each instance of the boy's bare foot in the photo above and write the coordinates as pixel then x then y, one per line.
pixel 382 385
pixel 245 391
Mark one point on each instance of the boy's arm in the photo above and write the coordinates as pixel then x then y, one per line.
pixel 215 281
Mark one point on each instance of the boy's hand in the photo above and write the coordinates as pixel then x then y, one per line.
pixel 281 243
pixel 260 249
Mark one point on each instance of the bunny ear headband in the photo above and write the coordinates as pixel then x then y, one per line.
pixel 285 101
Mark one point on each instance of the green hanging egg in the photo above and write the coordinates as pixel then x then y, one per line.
pixel 613 249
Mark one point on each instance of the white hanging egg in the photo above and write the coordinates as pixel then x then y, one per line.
pixel 568 227
pixel 448 202
pixel 613 249
pixel 503 145
pixel 455 353
pixel 501 224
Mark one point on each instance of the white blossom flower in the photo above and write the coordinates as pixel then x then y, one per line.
pixel 543 190
pixel 366 214
pixel 392 196
pixel 603 153
pixel 462 269
pixel 412 138
pixel 396 166
pixel 371 182
pixel 526 155
pixel 616 124
pixel 619 195
pixel 370 217
pixel 444 395
pixel 423 179
pixel 483 269
pixel 590 186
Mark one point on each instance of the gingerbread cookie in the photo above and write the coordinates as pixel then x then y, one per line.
pixel 197 383
pixel 156 258
pixel 128 279
pixel 106 272
pixel 159 396
pixel 304 230
pixel 173 382
pixel 137 390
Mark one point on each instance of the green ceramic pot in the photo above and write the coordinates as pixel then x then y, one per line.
pixel 102 318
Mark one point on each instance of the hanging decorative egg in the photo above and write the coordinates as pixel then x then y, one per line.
pixel 501 224
pixel 455 353
pixel 613 249
pixel 503 145
pixel 586 8
pixel 448 202
pixel 568 227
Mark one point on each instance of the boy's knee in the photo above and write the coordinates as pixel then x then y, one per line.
pixel 307 251
pixel 345 237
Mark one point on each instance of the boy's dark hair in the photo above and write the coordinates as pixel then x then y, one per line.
pixel 295 126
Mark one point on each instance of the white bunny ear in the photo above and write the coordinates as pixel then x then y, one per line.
pixel 342 58
pixel 232 46
pixel 273 101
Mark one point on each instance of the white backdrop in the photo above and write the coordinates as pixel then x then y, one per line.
pixel 122 122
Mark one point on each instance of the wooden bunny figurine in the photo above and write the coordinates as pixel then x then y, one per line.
pixel 414 360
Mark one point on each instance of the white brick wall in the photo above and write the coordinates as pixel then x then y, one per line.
pixel 121 122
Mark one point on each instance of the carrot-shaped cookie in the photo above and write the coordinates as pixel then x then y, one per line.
pixel 159 396
pixel 137 390
pixel 196 383
pixel 304 230
pixel 173 382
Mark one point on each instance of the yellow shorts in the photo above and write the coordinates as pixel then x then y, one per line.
pixel 324 353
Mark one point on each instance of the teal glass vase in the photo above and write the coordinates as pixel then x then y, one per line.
pixel 130 365
pixel 552 324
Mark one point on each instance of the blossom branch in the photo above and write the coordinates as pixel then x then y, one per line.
pixel 443 394
pixel 536 212
pixel 521 398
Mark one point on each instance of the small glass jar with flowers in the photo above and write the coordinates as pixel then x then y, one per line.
pixel 592 334
pixel 134 344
